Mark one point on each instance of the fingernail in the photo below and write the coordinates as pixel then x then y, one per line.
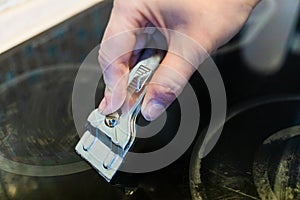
pixel 102 105
pixel 153 110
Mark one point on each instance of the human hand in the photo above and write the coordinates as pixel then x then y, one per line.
pixel 210 23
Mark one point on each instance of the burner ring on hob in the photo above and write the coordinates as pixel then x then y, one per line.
pixel 285 175
pixel 37 132
pixel 250 161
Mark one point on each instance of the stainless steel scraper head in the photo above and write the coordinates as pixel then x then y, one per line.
pixel 108 138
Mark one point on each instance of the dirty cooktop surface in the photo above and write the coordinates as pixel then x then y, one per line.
pixel 37 140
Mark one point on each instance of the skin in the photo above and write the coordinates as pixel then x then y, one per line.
pixel 210 23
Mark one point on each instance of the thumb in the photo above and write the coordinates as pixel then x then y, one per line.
pixel 170 79
pixel 165 86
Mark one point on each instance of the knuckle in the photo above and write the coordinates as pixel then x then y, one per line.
pixel 103 59
pixel 162 93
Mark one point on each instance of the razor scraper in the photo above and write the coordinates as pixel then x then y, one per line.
pixel 107 139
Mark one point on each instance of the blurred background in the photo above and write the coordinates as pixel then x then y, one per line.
pixel 257 156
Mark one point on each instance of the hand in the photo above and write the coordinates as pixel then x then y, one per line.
pixel 210 23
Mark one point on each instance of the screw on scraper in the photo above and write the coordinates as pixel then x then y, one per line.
pixel 107 139
pixel 112 119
